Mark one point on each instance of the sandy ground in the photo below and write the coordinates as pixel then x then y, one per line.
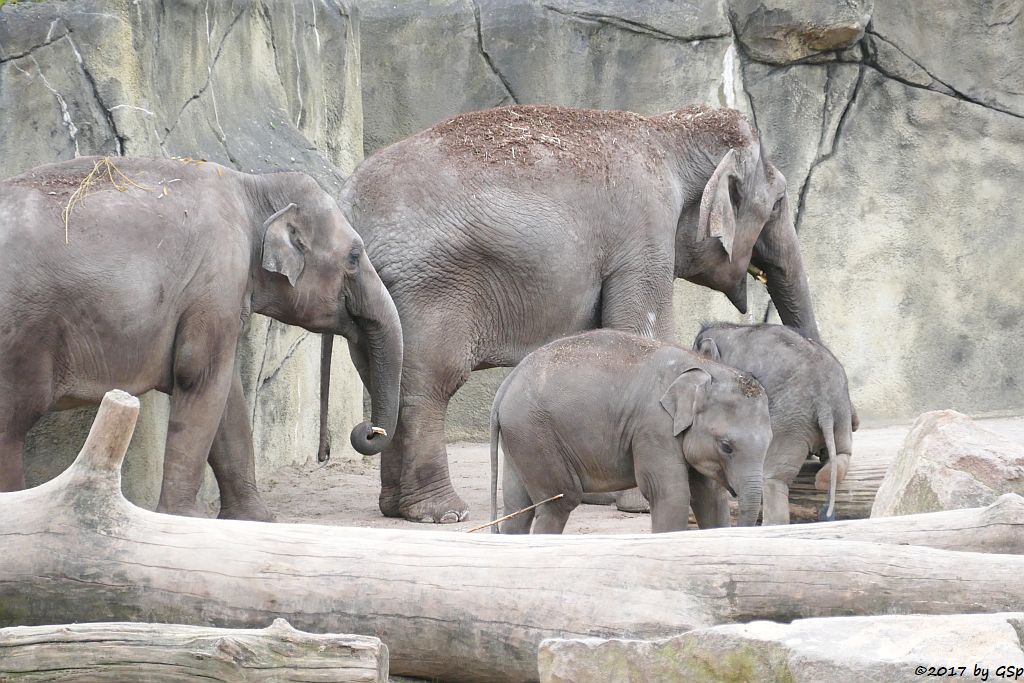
pixel 344 493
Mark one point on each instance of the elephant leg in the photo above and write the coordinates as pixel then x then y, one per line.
pixel 710 502
pixel 202 381
pixel 551 517
pixel 415 483
pixel 233 461
pixel 638 299
pixel 12 468
pixel 514 497
pixel 776 502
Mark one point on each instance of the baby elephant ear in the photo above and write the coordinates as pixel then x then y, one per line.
pixel 683 398
pixel 280 252
pixel 708 348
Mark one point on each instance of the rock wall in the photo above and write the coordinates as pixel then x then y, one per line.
pixel 257 85
pixel 898 126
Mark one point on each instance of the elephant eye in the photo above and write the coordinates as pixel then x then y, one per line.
pixel 725 446
pixel 353 256
pixel 777 207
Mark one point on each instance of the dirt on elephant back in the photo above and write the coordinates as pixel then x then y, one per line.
pixel 585 139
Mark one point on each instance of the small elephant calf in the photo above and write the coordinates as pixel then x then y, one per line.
pixel 809 402
pixel 606 410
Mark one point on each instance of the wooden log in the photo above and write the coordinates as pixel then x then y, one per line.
pixel 459 607
pixel 120 651
pixel 854 495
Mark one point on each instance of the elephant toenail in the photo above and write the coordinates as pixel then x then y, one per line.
pixel 450 517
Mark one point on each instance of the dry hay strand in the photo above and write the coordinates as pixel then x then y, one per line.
pixel 104 167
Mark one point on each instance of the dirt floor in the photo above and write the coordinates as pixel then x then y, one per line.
pixel 344 493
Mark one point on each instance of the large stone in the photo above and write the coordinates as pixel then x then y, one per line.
pixel 948 462
pixel 911 235
pixel 883 649
pixel 230 82
pixel 783 31
pixel 973 48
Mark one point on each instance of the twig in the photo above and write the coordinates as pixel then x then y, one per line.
pixel 518 512
pixel 758 274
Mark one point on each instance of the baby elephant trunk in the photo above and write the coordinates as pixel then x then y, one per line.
pixel 749 495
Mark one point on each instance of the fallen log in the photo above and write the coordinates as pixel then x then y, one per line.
pixel 854 495
pixel 460 607
pixel 116 652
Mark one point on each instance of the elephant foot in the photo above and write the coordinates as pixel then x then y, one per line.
pixel 388 501
pixel 445 507
pixel 631 500
pixel 253 510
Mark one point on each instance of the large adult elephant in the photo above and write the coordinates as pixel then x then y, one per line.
pixel 139 274
pixel 498 231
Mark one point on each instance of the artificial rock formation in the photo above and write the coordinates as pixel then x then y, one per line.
pixel 948 462
pixel 883 649
pixel 117 652
pixel 897 125
pixel 466 607
pixel 257 85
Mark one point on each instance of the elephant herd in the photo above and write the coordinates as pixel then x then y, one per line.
pixel 495 238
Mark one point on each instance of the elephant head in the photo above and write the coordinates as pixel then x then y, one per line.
pixel 721 421
pixel 312 271
pixel 741 219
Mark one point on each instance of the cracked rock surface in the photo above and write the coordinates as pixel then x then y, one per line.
pixel 898 126
pixel 256 85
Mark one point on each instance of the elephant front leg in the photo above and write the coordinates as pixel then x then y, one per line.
pixel 233 461
pixel 12 469
pixel 776 502
pixel 710 502
pixel 202 380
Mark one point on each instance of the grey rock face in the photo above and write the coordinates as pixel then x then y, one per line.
pixel 259 86
pixel 784 31
pixel 884 648
pixel 947 462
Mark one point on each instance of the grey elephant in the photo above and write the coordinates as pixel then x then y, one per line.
pixel 140 273
pixel 607 410
pixel 809 402
pixel 501 230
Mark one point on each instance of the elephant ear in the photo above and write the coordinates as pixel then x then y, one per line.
pixel 683 398
pixel 709 349
pixel 717 217
pixel 280 252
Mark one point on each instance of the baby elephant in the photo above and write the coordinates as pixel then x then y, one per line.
pixel 808 399
pixel 605 411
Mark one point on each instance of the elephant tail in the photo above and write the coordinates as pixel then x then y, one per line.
pixel 495 432
pixel 827 426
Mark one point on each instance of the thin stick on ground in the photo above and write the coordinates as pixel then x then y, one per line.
pixel 513 514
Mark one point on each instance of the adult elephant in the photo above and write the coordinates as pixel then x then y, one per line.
pixel 498 231
pixel 140 273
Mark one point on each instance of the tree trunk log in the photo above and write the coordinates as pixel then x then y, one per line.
pixel 117 652
pixel 461 607
pixel 854 495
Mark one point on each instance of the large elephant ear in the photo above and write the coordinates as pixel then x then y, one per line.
pixel 280 252
pixel 717 217
pixel 682 399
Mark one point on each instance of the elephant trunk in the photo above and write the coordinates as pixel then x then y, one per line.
pixel 750 501
pixel 380 346
pixel 777 253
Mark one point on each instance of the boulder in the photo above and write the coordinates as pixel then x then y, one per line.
pixel 948 462
pixel 784 31
pixel 878 648
pixel 223 81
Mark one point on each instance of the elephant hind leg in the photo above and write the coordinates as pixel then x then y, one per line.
pixel 17 416
pixel 515 497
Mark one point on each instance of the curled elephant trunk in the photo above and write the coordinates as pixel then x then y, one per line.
pixel 375 344
pixel 750 502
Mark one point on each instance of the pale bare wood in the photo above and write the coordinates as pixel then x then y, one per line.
pixel 164 653
pixel 465 607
